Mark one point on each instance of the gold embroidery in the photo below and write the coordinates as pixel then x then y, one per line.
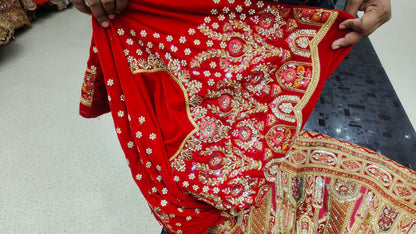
pixel 87 93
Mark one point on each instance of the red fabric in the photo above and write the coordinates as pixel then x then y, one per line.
pixel 207 98
pixel 38 2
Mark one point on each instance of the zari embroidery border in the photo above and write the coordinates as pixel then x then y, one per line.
pixel 315 67
pixel 358 177
pixel 92 74
pixel 188 112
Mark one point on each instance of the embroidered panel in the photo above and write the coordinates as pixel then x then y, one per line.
pixel 246 74
pixel 313 196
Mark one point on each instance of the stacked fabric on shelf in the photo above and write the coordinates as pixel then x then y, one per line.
pixel 15 14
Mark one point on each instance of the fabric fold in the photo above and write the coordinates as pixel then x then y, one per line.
pixel 208 97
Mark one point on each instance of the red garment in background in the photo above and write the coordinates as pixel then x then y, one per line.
pixel 207 98
pixel 38 2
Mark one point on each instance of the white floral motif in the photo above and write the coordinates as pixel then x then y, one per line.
pixel 191 31
pixel 215 25
pixel 210 43
pixel 132 32
pixel 221 17
pixel 169 38
pixel 195 187
pixel 182 39
pixel 152 136
pixel 211 82
pixel 205 189
pixel 142 119
pixel 154 189
pixel 120 31
pixel 158 168
pixel 216 190
pixel 159 178
pixel 120 113
pixel 187 51
pixel 122 98
pixel 110 82
pixel 214 11
pixel 129 41
pixel 161 46
pixel 139 52
pixel 207 19
pixel 118 130
pixel 143 33
pixel 247 2
pixel 223 44
pixel 130 144
pixel 226 9
pixel 168 56
pixel 191 176
pixel 252 11
pixel 216 1
pixel 163 203
pixel 197 211
pixel 148 164
pixel 260 4
pixel 150 44
pixel 139 177
pixel 197 42
pixel 173 48
pixel 232 15
pixel 243 16
pixel 239 8
pixel 213 64
pixel 207 73
pixel 164 191
pixel 139 134
pixel 149 151
pixel 217 74
pixel 188 218
pixel 94 49
pixel 156 35
pixel 185 184
pixel 176 178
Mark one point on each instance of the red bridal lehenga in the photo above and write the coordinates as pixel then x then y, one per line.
pixel 209 99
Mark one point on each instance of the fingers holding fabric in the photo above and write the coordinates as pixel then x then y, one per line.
pixel 376 13
pixel 81 6
pixel 102 10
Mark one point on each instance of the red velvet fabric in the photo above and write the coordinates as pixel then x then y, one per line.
pixel 207 97
pixel 38 2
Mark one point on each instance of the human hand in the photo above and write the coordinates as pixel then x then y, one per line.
pixel 102 10
pixel 376 13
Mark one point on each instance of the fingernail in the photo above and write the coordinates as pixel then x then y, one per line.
pixel 105 24
pixel 336 47
pixel 342 26
pixel 111 17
